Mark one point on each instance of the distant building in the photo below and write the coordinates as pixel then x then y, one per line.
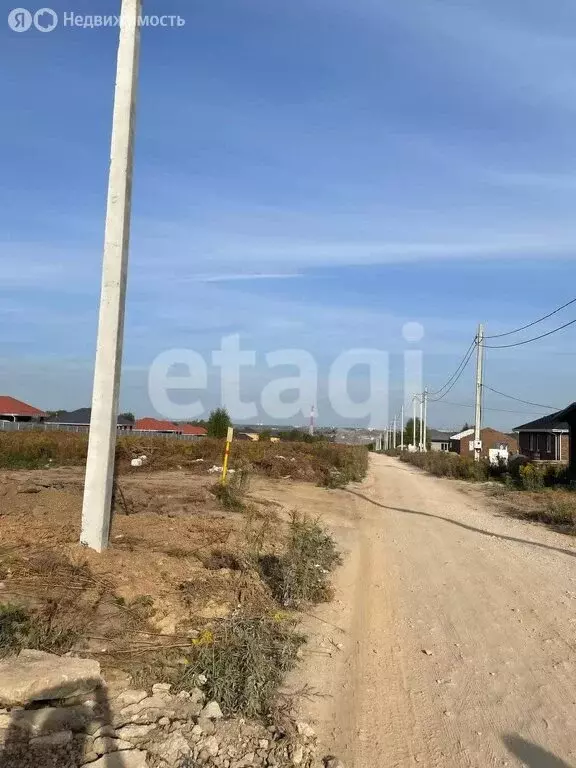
pixel 494 443
pixel 81 418
pixel 159 427
pixel 17 411
pixel 149 424
pixel 548 438
pixel 439 441
pixel 253 436
pixel 191 429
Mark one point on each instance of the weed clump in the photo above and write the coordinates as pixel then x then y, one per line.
pixel 231 493
pixel 302 573
pixel 245 661
pixel 20 628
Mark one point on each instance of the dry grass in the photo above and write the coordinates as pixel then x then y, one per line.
pixel 554 507
pixel 322 462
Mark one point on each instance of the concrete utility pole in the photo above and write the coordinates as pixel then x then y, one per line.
pixel 402 429
pixel 479 384
pixel 420 448
pixel 395 432
pixel 414 422
pixel 425 428
pixel 102 444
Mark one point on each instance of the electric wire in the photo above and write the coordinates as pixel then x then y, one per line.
pixel 463 362
pixel 535 322
pixel 519 400
pixel 463 367
pixel 529 341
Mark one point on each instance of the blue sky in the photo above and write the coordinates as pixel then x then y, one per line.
pixel 310 175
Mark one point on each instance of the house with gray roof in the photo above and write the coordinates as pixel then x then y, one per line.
pixel 545 439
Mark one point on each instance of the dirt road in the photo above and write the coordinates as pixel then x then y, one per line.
pixel 452 638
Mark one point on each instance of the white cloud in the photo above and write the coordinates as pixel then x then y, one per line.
pixel 229 278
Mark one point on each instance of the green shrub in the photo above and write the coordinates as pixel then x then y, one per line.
pixel 555 474
pixel 302 573
pixel 532 477
pixel 245 661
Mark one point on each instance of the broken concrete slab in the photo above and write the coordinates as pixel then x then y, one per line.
pixel 39 676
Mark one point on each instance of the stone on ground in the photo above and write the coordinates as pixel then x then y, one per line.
pixel 132 759
pixel 39 676
pixel 212 711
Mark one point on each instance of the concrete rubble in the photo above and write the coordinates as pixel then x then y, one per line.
pixel 78 720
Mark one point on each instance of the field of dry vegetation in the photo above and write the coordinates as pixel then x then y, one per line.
pixel 195 580
pixel 321 462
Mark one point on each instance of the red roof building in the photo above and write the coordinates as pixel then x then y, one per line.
pixel 15 410
pixel 149 424
pixel 190 429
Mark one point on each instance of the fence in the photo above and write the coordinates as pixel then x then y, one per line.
pixel 83 429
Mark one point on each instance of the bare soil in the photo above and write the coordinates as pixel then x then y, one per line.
pixel 176 560
pixel 451 640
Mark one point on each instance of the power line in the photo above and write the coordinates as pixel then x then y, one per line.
pixel 528 341
pixel 530 325
pixel 526 402
pixel 463 362
pixel 472 405
pixel 463 367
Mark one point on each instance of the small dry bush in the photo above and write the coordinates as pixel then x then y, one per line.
pixel 245 661
pixel 231 493
pixel 302 573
